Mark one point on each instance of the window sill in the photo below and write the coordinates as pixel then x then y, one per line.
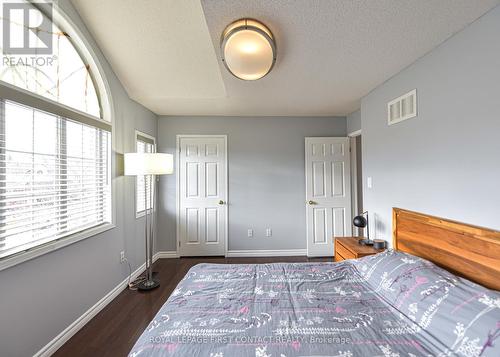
pixel 34 252
pixel 141 214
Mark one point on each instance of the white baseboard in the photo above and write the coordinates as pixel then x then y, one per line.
pixel 51 347
pixel 165 255
pixel 266 253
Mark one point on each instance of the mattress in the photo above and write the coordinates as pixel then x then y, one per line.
pixel 390 305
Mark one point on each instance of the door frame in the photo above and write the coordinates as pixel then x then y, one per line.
pixel 305 188
pixel 354 179
pixel 178 138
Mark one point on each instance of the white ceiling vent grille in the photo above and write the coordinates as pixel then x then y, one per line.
pixel 402 108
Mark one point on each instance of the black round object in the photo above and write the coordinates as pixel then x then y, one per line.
pixel 379 244
pixel 148 285
pixel 359 221
pixel 365 242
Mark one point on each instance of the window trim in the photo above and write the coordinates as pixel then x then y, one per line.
pixel 36 101
pixel 103 90
pixel 139 134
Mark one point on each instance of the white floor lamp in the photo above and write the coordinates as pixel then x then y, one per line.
pixel 149 165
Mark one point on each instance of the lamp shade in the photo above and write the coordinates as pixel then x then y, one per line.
pixel 138 164
pixel 359 221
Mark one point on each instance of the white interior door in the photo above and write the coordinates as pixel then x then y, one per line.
pixel 328 193
pixel 202 190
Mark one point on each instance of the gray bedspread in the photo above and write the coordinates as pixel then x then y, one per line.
pixel 391 304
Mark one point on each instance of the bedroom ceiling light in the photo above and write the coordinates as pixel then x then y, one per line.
pixel 248 49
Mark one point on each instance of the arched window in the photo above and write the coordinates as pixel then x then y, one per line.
pixel 61 75
pixel 55 139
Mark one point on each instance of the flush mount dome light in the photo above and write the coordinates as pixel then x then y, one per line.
pixel 248 49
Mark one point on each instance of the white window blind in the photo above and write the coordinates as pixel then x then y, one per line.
pixel 143 145
pixel 54 177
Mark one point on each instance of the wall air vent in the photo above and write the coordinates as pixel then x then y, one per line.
pixel 402 108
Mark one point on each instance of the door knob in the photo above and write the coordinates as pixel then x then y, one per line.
pixel 221 202
pixel 311 202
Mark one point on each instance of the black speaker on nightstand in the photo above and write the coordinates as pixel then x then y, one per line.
pixel 379 244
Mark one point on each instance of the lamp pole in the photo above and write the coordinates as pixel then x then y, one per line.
pixel 149 282
pixel 367 226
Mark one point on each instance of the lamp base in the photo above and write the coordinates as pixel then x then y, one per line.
pixel 365 242
pixel 148 285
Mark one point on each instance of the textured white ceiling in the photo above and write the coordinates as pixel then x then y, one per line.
pixel 330 52
pixel 157 48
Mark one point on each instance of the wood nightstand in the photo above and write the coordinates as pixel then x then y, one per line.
pixel 349 248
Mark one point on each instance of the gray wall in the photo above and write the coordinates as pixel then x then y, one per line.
pixel 354 122
pixel 446 161
pixel 266 176
pixel 41 297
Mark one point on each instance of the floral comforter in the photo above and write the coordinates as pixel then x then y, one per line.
pixel 391 304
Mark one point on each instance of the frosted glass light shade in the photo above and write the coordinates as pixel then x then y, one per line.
pixel 138 164
pixel 248 49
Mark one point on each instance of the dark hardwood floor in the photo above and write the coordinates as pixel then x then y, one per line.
pixel 115 329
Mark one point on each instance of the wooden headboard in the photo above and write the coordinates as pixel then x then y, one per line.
pixel 466 250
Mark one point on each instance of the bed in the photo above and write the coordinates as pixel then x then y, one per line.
pixel 391 304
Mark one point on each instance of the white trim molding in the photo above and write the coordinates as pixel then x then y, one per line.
pixel 266 253
pixel 165 255
pixel 50 348
pixel 354 133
